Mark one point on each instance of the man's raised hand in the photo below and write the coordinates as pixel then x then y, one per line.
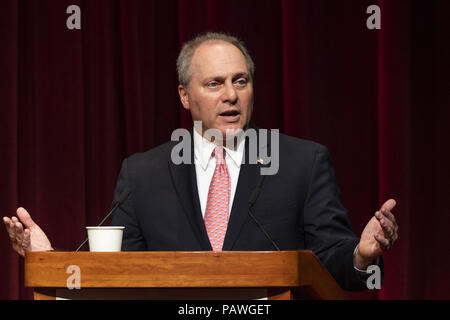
pixel 378 236
pixel 30 238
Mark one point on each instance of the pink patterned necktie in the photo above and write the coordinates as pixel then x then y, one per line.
pixel 217 205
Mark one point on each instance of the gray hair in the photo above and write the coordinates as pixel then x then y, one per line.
pixel 188 50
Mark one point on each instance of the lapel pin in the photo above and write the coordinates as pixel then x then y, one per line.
pixel 260 161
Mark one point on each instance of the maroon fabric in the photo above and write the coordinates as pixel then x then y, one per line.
pixel 74 103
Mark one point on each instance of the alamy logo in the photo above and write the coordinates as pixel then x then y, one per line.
pixel 374 281
pixel 374 20
pixel 74 20
pixel 258 141
pixel 74 280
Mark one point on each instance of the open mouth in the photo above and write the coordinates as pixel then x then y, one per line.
pixel 231 115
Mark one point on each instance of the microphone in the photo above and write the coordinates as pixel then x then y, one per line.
pixel 122 198
pixel 253 197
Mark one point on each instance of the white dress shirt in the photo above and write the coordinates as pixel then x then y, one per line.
pixel 205 165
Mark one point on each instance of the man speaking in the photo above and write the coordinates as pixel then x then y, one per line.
pixel 204 204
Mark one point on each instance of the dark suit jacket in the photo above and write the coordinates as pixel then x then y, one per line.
pixel 299 207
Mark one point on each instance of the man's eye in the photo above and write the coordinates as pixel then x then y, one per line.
pixel 241 82
pixel 213 84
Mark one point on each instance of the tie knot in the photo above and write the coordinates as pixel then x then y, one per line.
pixel 219 154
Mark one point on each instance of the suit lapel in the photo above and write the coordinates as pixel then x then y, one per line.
pixel 185 183
pixel 249 178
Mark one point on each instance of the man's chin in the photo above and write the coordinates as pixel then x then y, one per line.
pixel 226 132
pixel 232 131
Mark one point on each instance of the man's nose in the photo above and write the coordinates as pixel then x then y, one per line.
pixel 229 94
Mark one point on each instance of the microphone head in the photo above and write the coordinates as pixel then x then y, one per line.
pixel 123 196
pixel 254 196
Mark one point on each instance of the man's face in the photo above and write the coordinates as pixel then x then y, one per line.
pixel 220 91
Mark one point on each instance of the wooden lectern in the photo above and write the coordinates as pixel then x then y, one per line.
pixel 183 275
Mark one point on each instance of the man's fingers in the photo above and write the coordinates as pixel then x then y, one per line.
pixel 20 237
pixel 388 205
pixel 389 228
pixel 10 228
pixel 382 241
pixel 26 239
pixel 25 217
pixel 387 213
pixel 19 232
pixel 6 221
pixel 387 222
pixel 389 216
pixel 8 224
pixel 383 228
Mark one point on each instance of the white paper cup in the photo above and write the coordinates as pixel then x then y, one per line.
pixel 105 239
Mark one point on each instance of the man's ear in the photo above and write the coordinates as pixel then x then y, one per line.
pixel 184 98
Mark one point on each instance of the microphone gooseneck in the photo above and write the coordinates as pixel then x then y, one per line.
pixel 122 198
pixel 253 197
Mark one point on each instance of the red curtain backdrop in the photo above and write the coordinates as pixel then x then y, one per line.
pixel 74 103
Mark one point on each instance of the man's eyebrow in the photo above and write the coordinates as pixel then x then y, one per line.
pixel 215 78
pixel 240 75
pixel 222 78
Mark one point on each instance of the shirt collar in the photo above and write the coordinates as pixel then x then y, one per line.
pixel 203 150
